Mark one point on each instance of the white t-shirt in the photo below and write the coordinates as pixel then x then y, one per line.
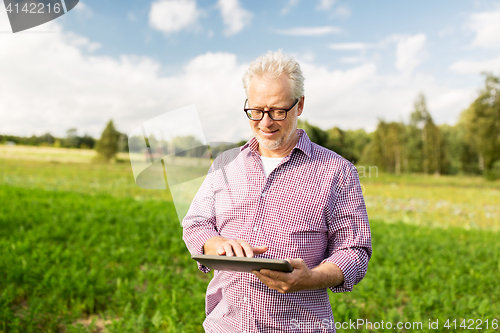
pixel 270 163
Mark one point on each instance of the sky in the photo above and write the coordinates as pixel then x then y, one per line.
pixel 132 61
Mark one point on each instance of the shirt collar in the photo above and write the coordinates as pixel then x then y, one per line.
pixel 303 144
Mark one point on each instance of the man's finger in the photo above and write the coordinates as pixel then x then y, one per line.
pixel 275 275
pixel 228 249
pixel 271 283
pixel 296 263
pixel 265 279
pixel 220 250
pixel 259 249
pixel 238 251
pixel 246 247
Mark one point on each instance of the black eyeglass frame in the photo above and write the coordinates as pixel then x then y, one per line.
pixel 268 112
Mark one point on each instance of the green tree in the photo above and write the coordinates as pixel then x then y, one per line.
pixel 72 138
pixel 482 123
pixel 107 146
pixel 388 147
pixel 460 155
pixel 453 143
pixel 86 142
pixel 335 141
pixel 123 143
pixel 187 145
pixel 316 134
pixel 356 142
pixel 47 139
pixel 345 143
pixel 348 144
pixel 425 144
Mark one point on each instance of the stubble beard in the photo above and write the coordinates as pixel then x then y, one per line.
pixel 278 143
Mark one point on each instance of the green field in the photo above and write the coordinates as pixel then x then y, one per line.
pixel 83 249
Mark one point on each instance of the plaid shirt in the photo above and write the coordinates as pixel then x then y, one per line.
pixel 311 207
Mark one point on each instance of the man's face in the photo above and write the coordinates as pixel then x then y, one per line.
pixel 267 93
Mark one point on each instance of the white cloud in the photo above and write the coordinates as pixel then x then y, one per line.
pixel 84 10
pixel 355 98
pixel 476 67
pixel 349 46
pixel 81 42
pixel 289 5
pixel 169 16
pixel 446 32
pixel 410 52
pixel 342 12
pixel 64 87
pixel 453 99
pixel 325 5
pixel 234 16
pixel 310 31
pixel 307 56
pixel 486 25
pixel 351 60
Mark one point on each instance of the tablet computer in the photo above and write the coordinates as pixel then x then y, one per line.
pixel 242 264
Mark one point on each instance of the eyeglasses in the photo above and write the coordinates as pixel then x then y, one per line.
pixel 274 114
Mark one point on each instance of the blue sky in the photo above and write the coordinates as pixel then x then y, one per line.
pixel 134 60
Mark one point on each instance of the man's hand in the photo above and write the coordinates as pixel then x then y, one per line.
pixel 286 282
pixel 231 247
pixel 301 278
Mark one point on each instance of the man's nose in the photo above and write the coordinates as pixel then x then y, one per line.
pixel 266 121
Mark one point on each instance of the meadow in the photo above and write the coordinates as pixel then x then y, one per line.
pixel 83 249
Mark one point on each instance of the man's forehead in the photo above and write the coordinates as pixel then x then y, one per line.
pixel 269 87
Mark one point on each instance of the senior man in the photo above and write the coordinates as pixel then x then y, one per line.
pixel 279 196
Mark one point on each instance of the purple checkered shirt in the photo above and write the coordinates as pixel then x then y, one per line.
pixel 311 207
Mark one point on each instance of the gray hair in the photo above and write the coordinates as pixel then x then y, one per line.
pixel 276 64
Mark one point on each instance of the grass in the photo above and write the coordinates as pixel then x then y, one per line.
pixel 420 273
pixel 54 155
pixel 84 178
pixel 443 201
pixel 67 256
pixel 83 248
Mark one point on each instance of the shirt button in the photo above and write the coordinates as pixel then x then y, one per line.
pixel 263 194
pixel 255 228
pixel 244 299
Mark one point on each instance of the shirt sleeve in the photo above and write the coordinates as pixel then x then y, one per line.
pixel 349 237
pixel 199 225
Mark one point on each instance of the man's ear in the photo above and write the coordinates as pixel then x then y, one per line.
pixel 300 106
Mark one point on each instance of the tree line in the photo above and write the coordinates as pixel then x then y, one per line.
pixel 110 142
pixel 71 140
pixel 471 146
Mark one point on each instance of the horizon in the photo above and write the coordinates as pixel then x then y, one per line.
pixel 132 62
pixel 212 143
